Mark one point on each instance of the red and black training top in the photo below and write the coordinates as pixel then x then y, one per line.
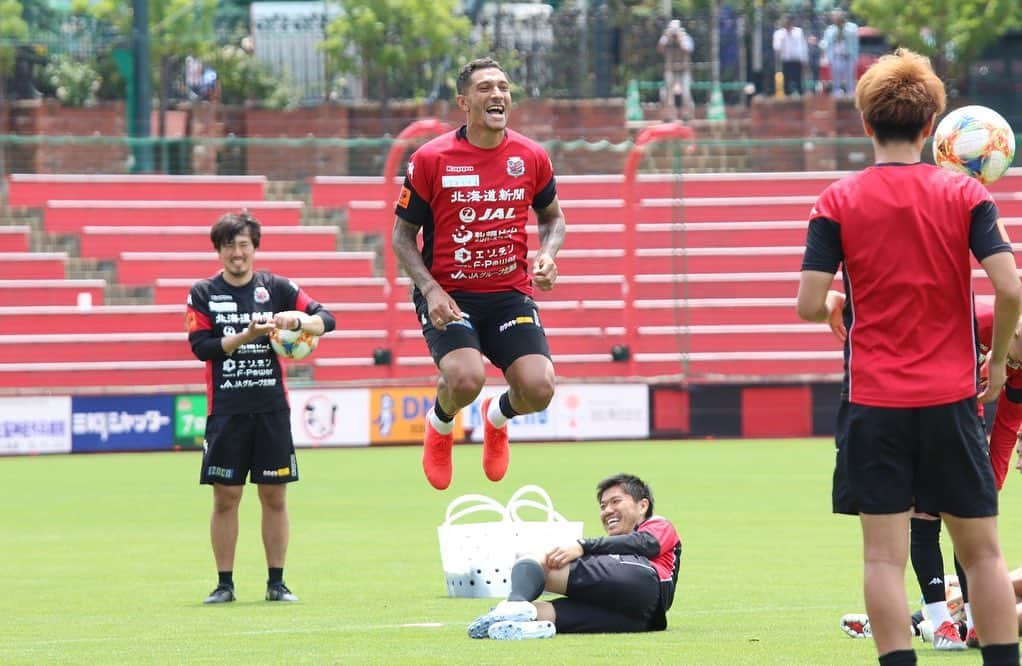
pixel 903 234
pixel 473 204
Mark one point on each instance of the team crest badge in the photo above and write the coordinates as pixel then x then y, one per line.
pixel 261 295
pixel 515 166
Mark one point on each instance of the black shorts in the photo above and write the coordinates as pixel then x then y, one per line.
pixel 504 326
pixel 935 459
pixel 608 594
pixel 257 445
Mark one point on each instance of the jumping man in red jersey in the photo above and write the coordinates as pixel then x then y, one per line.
pixel 908 433
pixel 468 192
pixel 623 582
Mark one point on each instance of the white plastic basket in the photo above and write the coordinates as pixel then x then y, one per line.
pixel 477 557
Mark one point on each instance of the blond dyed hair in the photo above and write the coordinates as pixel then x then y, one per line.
pixel 899 94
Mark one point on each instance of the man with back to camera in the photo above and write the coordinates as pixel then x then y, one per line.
pixel 248 429
pixel 468 192
pixel 621 583
pixel 908 435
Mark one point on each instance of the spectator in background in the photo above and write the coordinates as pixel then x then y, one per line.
pixel 792 51
pixel 841 44
pixel 815 53
pixel 676 46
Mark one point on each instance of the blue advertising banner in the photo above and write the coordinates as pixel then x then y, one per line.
pixel 122 423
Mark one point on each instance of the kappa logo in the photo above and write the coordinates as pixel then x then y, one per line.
pixel 515 166
pixel 936 581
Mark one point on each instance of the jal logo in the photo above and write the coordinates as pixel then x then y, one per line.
pixel 497 214
pixel 515 167
pixel 262 295
pixel 467 215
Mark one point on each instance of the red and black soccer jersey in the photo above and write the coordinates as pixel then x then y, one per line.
pixel 657 540
pixel 1008 416
pixel 903 235
pixel 472 204
pixel 251 379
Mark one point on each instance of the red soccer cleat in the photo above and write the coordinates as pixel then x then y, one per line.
pixel 436 457
pixel 946 637
pixel 971 639
pixel 496 453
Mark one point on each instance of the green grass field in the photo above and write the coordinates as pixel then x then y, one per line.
pixel 106 559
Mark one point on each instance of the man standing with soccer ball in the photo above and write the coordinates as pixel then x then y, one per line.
pixel 468 192
pixel 908 435
pixel 248 430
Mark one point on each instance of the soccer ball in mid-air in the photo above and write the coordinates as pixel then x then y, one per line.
pixel 294 345
pixel 975 140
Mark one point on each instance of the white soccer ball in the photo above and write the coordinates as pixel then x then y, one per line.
pixel 976 141
pixel 293 345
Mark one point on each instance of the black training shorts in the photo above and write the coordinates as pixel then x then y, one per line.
pixel 933 458
pixel 258 445
pixel 504 326
pixel 608 594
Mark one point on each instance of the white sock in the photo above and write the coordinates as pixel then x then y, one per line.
pixel 495 416
pixel 968 615
pixel 442 427
pixel 937 613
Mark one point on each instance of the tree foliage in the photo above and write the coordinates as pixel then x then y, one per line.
pixel 12 28
pixel 953 33
pixel 398 47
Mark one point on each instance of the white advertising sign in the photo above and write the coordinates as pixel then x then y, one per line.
pixel 578 412
pixel 37 424
pixel 330 417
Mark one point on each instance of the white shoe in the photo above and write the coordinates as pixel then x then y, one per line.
pixel 856 625
pixel 925 631
pixel 519 631
pixel 505 611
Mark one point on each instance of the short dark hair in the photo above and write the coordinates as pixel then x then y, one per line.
pixel 474 66
pixel 629 483
pixel 230 225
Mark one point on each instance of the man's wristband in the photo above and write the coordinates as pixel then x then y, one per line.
pixel 299 326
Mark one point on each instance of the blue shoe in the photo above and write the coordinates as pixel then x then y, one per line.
pixel 505 611
pixel 522 631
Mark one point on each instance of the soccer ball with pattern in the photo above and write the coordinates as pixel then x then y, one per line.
pixel 294 345
pixel 975 140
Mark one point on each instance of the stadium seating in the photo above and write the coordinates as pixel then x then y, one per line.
pixel 716 273
pixel 14 238
pixel 322 289
pixel 34 190
pixel 51 292
pixel 143 268
pixel 33 265
pixel 108 242
pixel 69 216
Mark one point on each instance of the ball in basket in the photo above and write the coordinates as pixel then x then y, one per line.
pixel 976 141
pixel 294 345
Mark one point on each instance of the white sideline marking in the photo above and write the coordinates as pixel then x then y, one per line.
pixel 12 645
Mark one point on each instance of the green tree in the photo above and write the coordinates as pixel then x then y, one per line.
pixel 177 28
pixel 397 47
pixel 953 33
pixel 12 28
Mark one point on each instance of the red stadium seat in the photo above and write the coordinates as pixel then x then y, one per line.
pixel 108 242
pixel 322 289
pixel 51 292
pixel 143 268
pixel 14 238
pixel 69 216
pixel 33 265
pixel 34 190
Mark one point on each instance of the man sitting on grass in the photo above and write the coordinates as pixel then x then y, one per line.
pixel 623 582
